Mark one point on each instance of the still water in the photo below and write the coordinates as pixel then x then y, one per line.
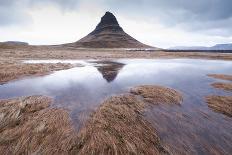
pixel 191 126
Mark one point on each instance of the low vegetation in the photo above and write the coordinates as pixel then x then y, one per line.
pixel 223 85
pixel 49 52
pixel 15 70
pixel 222 104
pixel 29 126
pixel 118 126
pixel 157 94
pixel 221 76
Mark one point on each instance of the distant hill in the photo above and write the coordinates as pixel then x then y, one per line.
pixel 222 47
pixel 13 44
pixel 108 34
pixel 218 47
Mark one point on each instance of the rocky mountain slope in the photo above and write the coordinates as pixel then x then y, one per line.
pixel 108 34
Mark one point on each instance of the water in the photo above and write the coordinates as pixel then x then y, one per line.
pixel 191 126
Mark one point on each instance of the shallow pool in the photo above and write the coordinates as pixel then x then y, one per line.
pixel 192 126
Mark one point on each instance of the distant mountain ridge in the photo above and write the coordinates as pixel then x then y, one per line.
pixel 216 47
pixel 13 43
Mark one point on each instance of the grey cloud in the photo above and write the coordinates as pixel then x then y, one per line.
pixel 62 4
pixel 197 15
pixel 12 12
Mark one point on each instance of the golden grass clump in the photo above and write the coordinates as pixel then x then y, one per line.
pixel 28 126
pixel 223 85
pixel 12 71
pixel 221 76
pixel 158 94
pixel 118 127
pixel 222 104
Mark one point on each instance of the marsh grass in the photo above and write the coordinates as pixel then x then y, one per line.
pixel 118 126
pixel 15 70
pixel 222 104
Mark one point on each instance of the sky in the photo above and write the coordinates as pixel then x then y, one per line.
pixel 160 23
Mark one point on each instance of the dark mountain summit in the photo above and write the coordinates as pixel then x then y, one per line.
pixel 108 34
pixel 108 21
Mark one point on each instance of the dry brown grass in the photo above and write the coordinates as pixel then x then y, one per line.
pixel 158 94
pixel 49 52
pixel 222 104
pixel 223 86
pixel 15 70
pixel 221 76
pixel 28 126
pixel 118 127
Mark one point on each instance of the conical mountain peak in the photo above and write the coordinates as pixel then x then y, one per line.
pixel 109 22
pixel 108 34
pixel 108 19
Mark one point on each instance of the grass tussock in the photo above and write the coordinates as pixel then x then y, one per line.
pixel 28 126
pixel 221 76
pixel 223 86
pixel 12 71
pixel 118 127
pixel 222 104
pixel 158 94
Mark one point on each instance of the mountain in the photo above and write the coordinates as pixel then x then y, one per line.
pixel 108 34
pixel 188 48
pixel 222 47
pixel 109 70
pixel 17 43
pixel 13 44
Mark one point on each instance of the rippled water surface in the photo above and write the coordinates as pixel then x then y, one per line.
pixel 191 126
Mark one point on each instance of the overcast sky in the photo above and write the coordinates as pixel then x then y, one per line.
pixel 161 23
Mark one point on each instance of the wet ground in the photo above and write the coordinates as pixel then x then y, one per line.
pixel 192 126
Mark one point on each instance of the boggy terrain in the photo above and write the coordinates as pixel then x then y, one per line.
pixel 29 126
pixel 57 52
pixel 221 76
pixel 12 69
pixel 222 104
pixel 223 85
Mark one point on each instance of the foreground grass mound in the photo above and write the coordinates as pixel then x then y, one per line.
pixel 29 126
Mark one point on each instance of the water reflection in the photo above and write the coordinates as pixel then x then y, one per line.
pixel 191 125
pixel 109 69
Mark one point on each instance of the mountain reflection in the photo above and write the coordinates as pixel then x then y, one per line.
pixel 109 70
